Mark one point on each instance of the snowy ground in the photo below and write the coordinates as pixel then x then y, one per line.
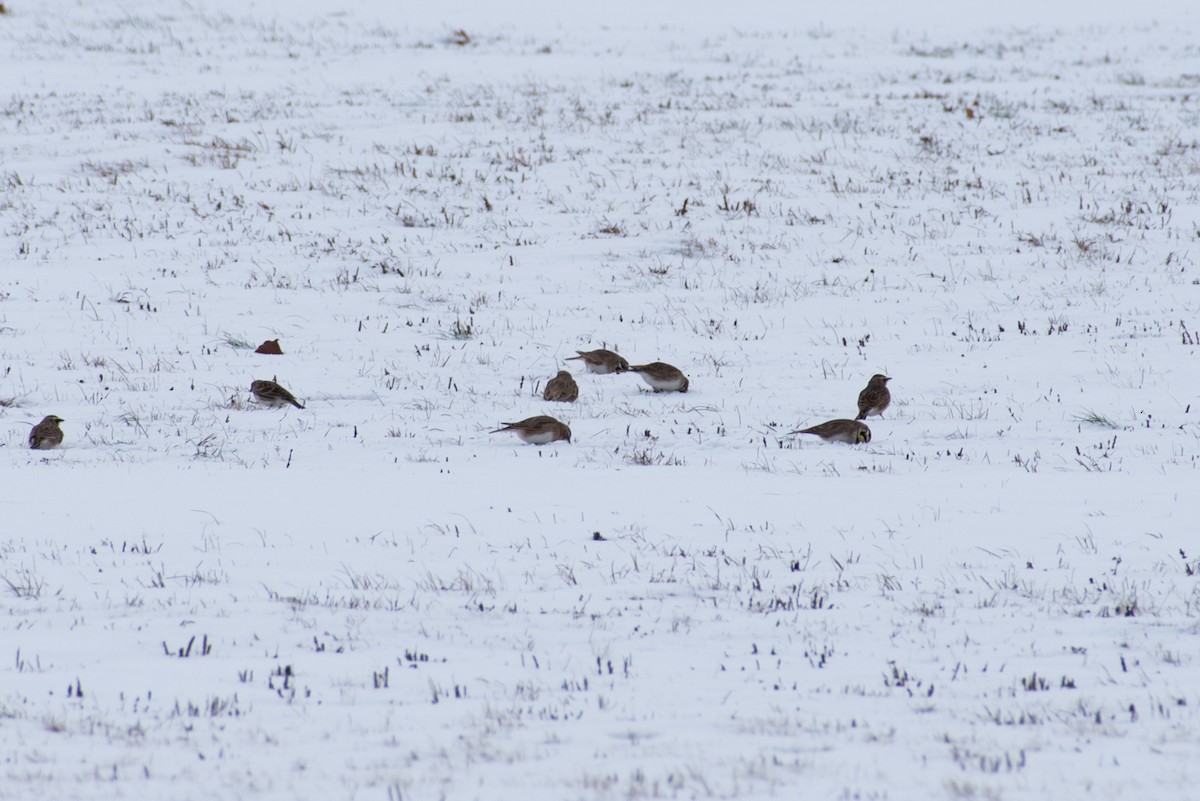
pixel 375 598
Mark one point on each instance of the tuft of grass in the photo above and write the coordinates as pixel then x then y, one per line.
pixel 26 584
pixel 209 447
pixel 237 342
pixel 648 457
pixel 461 330
pixel 1092 417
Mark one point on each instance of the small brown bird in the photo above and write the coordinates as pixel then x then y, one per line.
pixel 538 430
pixel 46 434
pixel 850 431
pixel 663 377
pixel 602 361
pixel 561 388
pixel 268 393
pixel 875 398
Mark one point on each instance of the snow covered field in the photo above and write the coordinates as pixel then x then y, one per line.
pixel 375 598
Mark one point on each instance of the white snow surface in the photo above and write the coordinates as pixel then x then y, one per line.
pixel 376 598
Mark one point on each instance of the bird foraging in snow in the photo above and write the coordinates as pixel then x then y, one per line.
pixel 851 431
pixel 661 376
pixel 539 430
pixel 601 361
pixel 268 393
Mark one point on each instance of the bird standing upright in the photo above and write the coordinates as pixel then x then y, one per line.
pixel 875 398
pixel 561 388
pixel 46 434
